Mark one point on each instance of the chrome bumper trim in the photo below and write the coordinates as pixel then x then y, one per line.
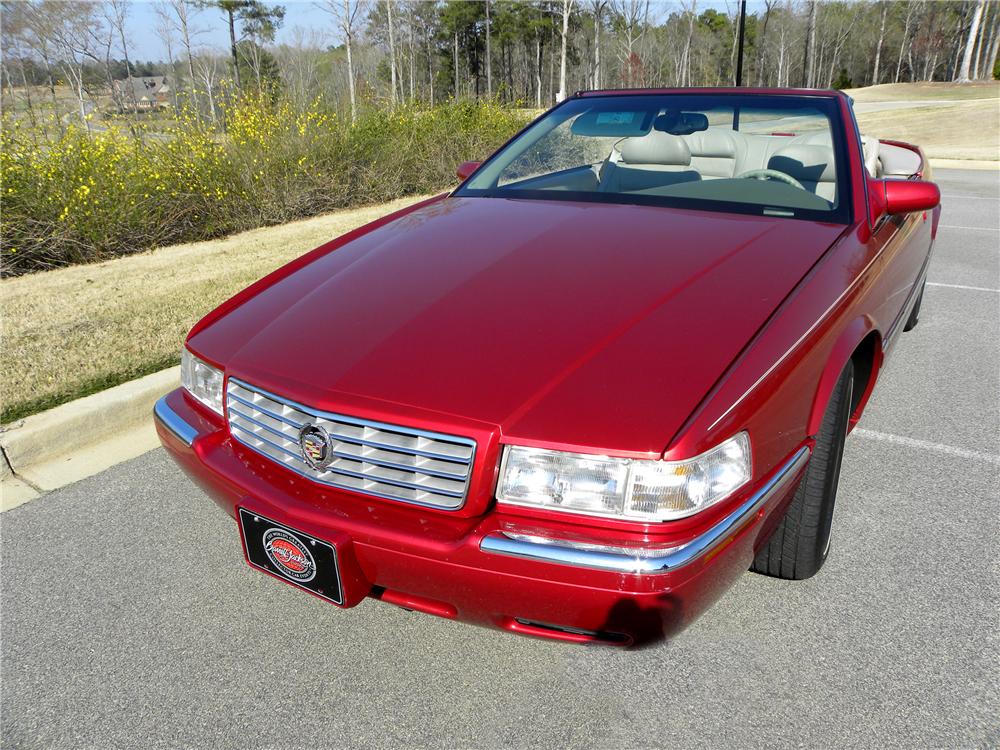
pixel 174 424
pixel 655 560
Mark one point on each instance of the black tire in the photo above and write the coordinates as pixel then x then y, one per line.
pixel 914 318
pixel 800 544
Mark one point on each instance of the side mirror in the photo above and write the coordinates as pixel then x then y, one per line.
pixel 910 196
pixel 466 168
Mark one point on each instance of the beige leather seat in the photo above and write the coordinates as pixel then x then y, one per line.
pixel 659 159
pixel 870 149
pixel 715 152
pixel 653 160
pixel 896 161
pixel 756 151
pixel 810 164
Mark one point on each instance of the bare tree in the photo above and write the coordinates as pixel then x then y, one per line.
pixel 103 39
pixel 117 14
pixel 567 6
pixel 957 46
pixel 538 68
pixel 597 7
pixel 981 40
pixel 644 43
pixel 8 79
pixel 629 14
pixel 685 67
pixel 392 50
pixel 993 45
pixel 489 55
pixel 455 49
pixel 762 43
pixel 346 14
pixel 926 39
pixel 300 61
pixel 906 41
pixel 208 71
pixel 175 13
pixel 427 30
pixel 16 32
pixel 410 23
pixel 165 32
pixel 881 40
pixel 809 60
pixel 963 71
pixel 39 38
pixel 552 62
pixel 73 29
pixel 782 69
pixel 838 38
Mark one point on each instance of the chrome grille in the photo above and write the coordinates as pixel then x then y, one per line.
pixel 397 463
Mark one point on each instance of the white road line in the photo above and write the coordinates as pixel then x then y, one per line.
pixel 976 229
pixel 965 196
pixel 949 450
pixel 962 286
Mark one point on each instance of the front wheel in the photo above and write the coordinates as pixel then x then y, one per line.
pixel 800 544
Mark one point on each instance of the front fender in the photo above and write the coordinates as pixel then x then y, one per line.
pixel 851 338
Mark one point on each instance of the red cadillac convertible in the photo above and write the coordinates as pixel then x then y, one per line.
pixel 583 393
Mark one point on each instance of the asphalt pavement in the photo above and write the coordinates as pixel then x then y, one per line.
pixel 129 618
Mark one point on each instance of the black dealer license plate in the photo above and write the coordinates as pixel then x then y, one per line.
pixel 292 556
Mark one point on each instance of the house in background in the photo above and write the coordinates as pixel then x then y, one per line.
pixel 142 93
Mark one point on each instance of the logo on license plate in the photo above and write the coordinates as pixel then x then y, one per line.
pixel 289 555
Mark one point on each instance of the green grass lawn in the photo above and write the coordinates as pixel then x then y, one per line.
pixel 963 130
pixel 894 92
pixel 74 331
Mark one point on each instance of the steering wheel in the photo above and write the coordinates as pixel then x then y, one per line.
pixel 771 174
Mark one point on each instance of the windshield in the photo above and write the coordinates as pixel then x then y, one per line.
pixel 767 155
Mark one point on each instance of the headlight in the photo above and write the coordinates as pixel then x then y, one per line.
pixel 202 381
pixel 634 489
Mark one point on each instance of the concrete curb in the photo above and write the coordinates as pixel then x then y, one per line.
pixel 63 445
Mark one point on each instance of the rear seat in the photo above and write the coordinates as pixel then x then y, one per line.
pixel 659 159
pixel 715 152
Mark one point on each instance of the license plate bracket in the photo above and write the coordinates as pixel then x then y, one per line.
pixel 292 556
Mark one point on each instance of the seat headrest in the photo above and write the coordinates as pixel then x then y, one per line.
pixel 655 148
pixel 805 163
pixel 817 138
pixel 712 144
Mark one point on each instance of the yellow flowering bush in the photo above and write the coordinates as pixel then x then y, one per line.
pixel 74 196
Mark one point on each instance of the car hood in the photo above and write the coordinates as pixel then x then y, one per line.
pixel 569 324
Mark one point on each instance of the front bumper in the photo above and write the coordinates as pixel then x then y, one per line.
pixel 539 578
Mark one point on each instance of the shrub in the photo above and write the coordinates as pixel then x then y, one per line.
pixel 77 197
